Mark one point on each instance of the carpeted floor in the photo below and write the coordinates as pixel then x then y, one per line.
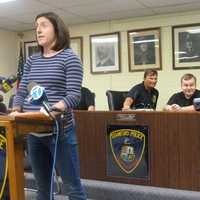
pixel 32 196
pixel 101 190
pixel 29 195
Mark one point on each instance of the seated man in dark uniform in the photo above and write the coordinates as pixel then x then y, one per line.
pixel 143 95
pixel 87 101
pixel 183 101
pixel 3 108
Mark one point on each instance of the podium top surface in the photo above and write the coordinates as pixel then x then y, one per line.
pixel 26 117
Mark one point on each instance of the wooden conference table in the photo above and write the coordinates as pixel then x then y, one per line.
pixel 173 147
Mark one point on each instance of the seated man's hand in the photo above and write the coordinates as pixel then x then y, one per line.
pixel 127 104
pixel 91 108
pixel 175 107
pixel 126 108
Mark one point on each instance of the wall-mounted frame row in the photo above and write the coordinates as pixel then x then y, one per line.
pixel 144 49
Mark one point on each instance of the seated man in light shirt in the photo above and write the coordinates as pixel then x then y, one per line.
pixel 183 101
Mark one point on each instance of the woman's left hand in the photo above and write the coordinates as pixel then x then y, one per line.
pixel 60 106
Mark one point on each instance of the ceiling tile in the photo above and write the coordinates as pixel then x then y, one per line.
pixel 70 3
pixel 120 15
pixel 177 8
pixel 102 8
pixel 157 3
pixel 22 7
pixel 19 15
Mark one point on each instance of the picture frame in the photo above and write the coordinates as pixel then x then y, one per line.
pixel 105 53
pixel 30 48
pixel 77 46
pixel 144 49
pixel 186 46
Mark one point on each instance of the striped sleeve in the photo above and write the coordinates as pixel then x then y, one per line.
pixel 74 76
pixel 22 90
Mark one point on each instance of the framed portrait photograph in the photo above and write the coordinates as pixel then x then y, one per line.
pixel 30 48
pixel 186 46
pixel 144 49
pixel 77 46
pixel 105 53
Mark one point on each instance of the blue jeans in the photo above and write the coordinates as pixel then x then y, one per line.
pixel 67 163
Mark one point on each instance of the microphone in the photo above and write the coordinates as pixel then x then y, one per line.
pixel 6 84
pixel 196 103
pixel 37 96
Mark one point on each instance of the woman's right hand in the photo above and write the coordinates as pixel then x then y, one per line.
pixel 14 113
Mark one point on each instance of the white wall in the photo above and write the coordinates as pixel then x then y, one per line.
pixel 169 80
pixel 8 56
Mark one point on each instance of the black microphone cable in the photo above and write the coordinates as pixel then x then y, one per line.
pixel 54 159
pixel 56 132
pixel 58 123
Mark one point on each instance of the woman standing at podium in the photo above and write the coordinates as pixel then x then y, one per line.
pixel 59 71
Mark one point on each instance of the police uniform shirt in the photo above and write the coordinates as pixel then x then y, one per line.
pixel 142 97
pixel 179 99
pixel 87 99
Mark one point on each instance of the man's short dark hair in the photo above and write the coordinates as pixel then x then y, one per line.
pixel 61 31
pixel 188 76
pixel 151 72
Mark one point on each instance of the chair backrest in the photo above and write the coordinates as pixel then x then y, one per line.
pixel 116 99
pixel 10 103
pixel 3 108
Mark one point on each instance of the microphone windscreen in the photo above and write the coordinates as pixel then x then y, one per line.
pixel 196 103
pixel 31 85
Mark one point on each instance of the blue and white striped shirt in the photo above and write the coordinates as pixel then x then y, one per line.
pixel 60 75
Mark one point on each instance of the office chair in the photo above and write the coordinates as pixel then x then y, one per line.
pixel 10 103
pixel 115 99
pixel 3 108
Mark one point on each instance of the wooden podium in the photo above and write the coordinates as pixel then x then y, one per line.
pixel 174 146
pixel 16 128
